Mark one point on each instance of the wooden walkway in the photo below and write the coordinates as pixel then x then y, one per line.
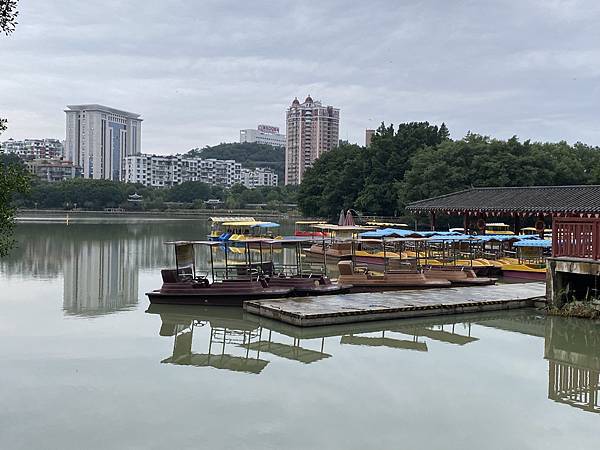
pixel 336 309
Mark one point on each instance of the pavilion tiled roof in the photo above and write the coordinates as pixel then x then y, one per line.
pixel 580 199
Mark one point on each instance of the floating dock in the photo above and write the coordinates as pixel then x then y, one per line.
pixel 338 309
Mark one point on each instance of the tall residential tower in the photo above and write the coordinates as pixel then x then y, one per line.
pixel 99 138
pixel 312 129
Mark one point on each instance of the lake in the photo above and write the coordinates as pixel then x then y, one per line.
pixel 85 362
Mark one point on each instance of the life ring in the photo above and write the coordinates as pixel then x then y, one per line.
pixel 540 226
pixel 481 224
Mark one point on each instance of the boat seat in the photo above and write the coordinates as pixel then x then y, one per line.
pixel 345 268
pixel 169 275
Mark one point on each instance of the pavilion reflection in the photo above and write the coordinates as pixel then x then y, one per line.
pixel 237 341
pixel 572 348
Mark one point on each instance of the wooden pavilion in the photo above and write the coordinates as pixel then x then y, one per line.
pixel 478 206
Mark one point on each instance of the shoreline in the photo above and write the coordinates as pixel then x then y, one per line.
pixel 68 216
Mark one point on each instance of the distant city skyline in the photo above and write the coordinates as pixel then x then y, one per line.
pixel 495 68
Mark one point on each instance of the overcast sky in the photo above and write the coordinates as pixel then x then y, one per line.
pixel 199 71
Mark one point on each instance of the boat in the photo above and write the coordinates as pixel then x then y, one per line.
pixel 184 287
pixel 302 228
pixel 530 263
pixel 242 281
pixel 458 276
pixel 240 228
pixel 364 280
pixel 335 243
pixel 305 278
pixel 498 228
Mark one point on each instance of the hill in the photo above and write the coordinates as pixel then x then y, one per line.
pixel 249 154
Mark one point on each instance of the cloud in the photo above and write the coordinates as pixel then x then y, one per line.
pixel 198 71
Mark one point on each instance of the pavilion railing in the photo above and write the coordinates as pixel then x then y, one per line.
pixel 576 237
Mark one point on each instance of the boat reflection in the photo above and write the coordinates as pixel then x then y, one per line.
pixel 573 352
pixel 238 341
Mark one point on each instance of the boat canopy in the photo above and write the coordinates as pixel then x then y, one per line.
pixel 310 222
pixel 497 237
pixel 543 243
pixel 265 225
pixel 452 237
pixel 330 227
pixel 387 224
pixel 231 219
pixel 390 232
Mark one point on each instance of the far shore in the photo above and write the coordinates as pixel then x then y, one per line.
pixel 82 216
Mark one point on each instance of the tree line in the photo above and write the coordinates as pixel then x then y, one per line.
pixel 418 160
pixel 100 194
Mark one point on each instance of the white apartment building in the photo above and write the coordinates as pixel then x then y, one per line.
pixel 259 177
pixel 312 129
pixel 99 138
pixel 170 170
pixel 264 134
pixel 34 148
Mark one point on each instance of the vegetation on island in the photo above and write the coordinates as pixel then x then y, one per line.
pixel 419 160
pixel 249 154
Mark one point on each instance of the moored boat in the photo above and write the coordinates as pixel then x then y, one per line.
pixel 364 280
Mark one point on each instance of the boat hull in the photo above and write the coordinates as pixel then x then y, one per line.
pixel 222 298
pixel 524 275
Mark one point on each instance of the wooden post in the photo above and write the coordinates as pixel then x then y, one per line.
pixel 466 223
pixel 516 223
pixel 432 220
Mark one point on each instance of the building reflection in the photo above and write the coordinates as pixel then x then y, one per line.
pixel 234 340
pixel 572 349
pixel 100 276
pixel 99 262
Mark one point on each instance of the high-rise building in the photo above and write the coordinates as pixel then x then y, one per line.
pixel 264 134
pixel 312 129
pixel 34 148
pixel 369 137
pixel 99 139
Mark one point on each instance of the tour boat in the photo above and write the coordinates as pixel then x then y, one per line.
pixel 363 280
pixel 458 276
pixel 530 263
pixel 253 280
pixel 303 228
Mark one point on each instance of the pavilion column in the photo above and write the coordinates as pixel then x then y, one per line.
pixel 466 223
pixel 516 223
pixel 432 220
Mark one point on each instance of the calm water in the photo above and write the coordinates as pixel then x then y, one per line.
pixel 85 363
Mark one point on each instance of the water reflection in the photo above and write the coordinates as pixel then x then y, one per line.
pixel 573 353
pixel 238 341
pixel 241 342
pixel 99 276
pixel 99 263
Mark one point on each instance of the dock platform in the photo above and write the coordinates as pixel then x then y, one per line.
pixel 338 309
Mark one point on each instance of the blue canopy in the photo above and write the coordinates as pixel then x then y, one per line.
pixel 266 225
pixel 543 243
pixel 496 237
pixel 389 232
pixel 451 237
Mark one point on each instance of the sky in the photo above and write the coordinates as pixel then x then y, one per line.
pixel 199 71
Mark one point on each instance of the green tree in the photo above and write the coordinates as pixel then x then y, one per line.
pixel 189 192
pixel 14 178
